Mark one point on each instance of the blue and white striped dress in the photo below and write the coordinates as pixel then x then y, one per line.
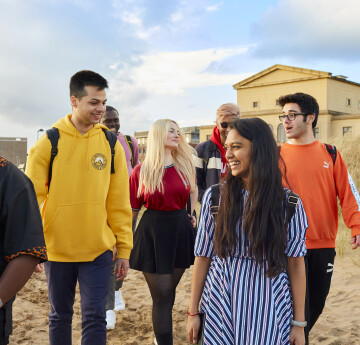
pixel 242 305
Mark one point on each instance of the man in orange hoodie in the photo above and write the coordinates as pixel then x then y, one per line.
pixel 317 173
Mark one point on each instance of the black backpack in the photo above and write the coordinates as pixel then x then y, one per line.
pixel 332 152
pixel 131 147
pixel 53 135
pixel 292 200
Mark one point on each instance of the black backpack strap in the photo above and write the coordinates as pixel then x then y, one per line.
pixel 292 200
pixel 332 151
pixel 215 198
pixel 112 139
pixel 53 135
pixel 131 147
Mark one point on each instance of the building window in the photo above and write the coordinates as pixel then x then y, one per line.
pixel 208 137
pixel 347 131
pixel 348 102
pixel 144 151
pixel 139 151
pixel 256 104
pixel 271 127
pixel 316 132
pixel 281 137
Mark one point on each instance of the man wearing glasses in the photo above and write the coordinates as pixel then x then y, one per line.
pixel 319 175
pixel 211 164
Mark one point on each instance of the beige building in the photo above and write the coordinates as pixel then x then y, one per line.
pixel 14 150
pixel 338 98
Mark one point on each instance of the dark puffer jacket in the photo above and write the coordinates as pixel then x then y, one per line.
pixel 208 166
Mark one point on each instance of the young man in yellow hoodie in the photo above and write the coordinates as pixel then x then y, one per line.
pixel 85 212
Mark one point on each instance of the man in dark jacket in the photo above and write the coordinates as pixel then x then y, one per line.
pixel 22 244
pixel 211 164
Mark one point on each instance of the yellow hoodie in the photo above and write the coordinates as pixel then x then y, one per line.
pixel 87 209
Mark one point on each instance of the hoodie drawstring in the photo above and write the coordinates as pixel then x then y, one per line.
pixel 72 148
pixel 87 151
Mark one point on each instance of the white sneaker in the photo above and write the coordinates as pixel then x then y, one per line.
pixel 119 302
pixel 110 320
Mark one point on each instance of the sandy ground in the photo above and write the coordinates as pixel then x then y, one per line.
pixel 339 323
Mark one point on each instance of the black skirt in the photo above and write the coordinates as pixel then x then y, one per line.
pixel 163 240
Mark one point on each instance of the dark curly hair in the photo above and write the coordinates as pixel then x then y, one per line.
pixel 307 104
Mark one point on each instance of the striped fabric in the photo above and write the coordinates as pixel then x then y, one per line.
pixel 242 305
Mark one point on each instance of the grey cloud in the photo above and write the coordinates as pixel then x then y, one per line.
pixel 309 29
pixel 43 46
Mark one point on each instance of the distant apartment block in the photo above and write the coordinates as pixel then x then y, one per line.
pixel 14 150
pixel 192 136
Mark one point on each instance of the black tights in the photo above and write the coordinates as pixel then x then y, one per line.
pixel 162 288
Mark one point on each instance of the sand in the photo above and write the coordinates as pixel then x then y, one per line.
pixel 338 325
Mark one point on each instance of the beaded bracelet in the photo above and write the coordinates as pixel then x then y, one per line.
pixel 187 312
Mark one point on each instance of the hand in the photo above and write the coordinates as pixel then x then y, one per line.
pixel 355 241
pixel 297 336
pixel 39 268
pixel 193 326
pixel 192 220
pixel 114 253
pixel 121 268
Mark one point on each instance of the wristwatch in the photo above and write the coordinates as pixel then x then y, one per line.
pixel 298 323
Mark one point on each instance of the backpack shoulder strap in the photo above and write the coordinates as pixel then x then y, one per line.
pixel 131 147
pixel 292 200
pixel 332 151
pixel 112 139
pixel 215 199
pixel 53 135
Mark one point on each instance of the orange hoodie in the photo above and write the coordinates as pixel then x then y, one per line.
pixel 311 174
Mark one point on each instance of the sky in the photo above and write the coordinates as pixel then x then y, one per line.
pixel 173 59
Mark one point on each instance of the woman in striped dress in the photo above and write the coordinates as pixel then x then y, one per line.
pixel 249 266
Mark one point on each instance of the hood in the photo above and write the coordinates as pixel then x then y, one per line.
pixel 65 125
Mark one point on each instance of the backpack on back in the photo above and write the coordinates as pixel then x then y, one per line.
pixel 332 151
pixel 53 135
pixel 131 147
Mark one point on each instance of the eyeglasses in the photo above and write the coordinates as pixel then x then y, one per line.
pixel 224 125
pixel 290 116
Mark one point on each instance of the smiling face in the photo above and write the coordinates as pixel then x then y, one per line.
pixel 222 123
pixel 172 138
pixel 111 120
pixel 297 128
pixel 238 154
pixel 87 110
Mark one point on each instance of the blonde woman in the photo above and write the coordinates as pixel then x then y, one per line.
pixel 164 238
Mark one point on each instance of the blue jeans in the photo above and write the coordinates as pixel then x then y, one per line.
pixel 93 277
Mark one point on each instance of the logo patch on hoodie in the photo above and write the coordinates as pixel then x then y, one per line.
pixel 99 161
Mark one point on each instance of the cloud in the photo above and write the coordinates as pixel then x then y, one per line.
pixel 160 19
pixel 166 75
pixel 307 29
pixel 172 73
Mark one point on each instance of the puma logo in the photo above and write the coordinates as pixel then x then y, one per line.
pixel 326 165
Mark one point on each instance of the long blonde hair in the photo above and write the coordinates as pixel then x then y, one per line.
pixel 153 167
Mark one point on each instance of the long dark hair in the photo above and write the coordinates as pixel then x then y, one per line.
pixel 262 216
